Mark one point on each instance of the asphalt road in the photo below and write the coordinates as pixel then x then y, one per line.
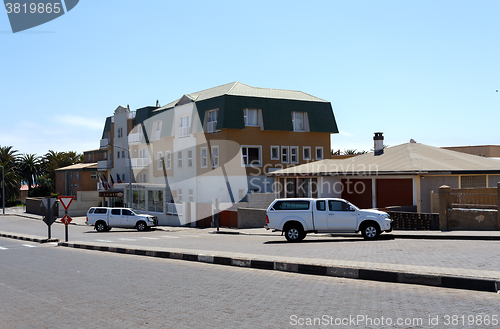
pixel 451 254
pixel 45 286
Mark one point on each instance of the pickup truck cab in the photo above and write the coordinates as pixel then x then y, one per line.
pixel 297 217
pixel 104 218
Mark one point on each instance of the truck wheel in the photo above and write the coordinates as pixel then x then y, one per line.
pixel 101 227
pixel 294 233
pixel 141 226
pixel 370 231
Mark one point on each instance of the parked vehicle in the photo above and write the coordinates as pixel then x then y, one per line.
pixel 103 219
pixel 297 217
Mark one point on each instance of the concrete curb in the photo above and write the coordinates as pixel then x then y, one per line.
pixel 4 235
pixel 448 237
pixel 443 281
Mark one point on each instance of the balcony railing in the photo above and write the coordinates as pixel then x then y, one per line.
pixel 134 138
pixel 104 143
pixel 140 162
pixel 104 165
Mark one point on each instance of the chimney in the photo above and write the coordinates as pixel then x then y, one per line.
pixel 378 143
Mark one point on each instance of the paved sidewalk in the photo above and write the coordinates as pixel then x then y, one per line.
pixel 397 273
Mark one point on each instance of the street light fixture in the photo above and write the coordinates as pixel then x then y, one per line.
pixel 130 173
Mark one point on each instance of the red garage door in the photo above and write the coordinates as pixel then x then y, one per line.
pixel 394 192
pixel 358 192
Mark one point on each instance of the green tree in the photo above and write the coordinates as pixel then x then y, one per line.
pixel 353 152
pixel 30 166
pixel 54 160
pixel 9 159
pixel 44 187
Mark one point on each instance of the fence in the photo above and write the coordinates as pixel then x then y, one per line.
pixel 474 198
pixel 469 209
pixel 414 221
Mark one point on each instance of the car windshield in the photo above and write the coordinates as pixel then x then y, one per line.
pixel 132 210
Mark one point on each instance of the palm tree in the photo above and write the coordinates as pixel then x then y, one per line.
pixel 30 166
pixel 9 159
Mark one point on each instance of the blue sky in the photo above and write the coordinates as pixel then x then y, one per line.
pixel 426 70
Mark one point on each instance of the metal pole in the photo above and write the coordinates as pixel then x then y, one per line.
pixel 66 231
pixel 130 179
pixel 49 218
pixel 3 189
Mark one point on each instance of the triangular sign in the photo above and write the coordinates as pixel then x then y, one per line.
pixel 66 201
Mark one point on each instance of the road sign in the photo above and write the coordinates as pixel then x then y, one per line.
pixel 45 203
pixel 66 201
pixel 66 219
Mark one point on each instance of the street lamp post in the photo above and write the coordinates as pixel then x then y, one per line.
pixel 130 173
pixel 3 189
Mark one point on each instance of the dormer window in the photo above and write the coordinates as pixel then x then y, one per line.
pixel 185 123
pixel 299 121
pixel 212 121
pixel 157 130
pixel 251 117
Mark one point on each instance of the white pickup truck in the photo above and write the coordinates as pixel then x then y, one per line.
pixel 103 219
pixel 297 217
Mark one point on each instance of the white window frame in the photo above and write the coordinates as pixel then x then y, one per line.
pixel 245 117
pixel 157 130
pixel 93 175
pixel 159 160
pixel 316 153
pixel 191 195
pixel 179 194
pixel 184 125
pixel 214 158
pixel 303 121
pixel 168 157
pixel 304 157
pixel 190 158
pixel 296 149
pixel 179 159
pixel 283 148
pixel 204 157
pixel 212 124
pixel 277 148
pixel 259 147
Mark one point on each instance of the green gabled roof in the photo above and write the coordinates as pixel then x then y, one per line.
pixel 276 105
pixel 141 117
pixel 107 127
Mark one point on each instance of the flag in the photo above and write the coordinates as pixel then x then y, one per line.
pixel 106 184
pixel 118 179
pixel 111 180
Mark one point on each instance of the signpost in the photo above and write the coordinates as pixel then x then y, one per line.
pixel 48 203
pixel 66 201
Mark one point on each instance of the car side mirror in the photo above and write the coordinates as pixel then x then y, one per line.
pixel 351 208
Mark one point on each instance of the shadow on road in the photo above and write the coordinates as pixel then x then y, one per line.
pixel 336 239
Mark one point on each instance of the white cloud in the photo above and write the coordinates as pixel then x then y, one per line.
pixel 73 120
